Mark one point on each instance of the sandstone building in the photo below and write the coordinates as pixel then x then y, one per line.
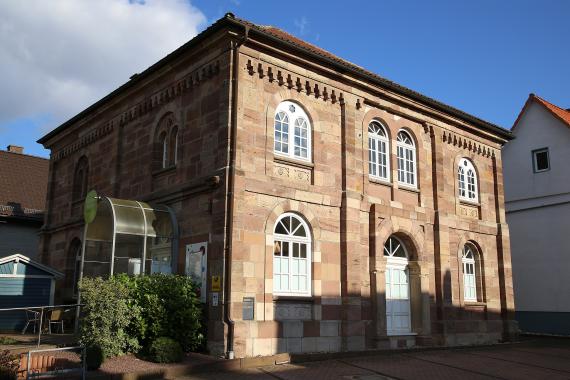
pixel 341 211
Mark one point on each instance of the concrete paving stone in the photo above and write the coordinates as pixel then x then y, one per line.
pixel 246 374
pixel 326 370
pixel 406 367
pixel 549 351
pixel 527 358
pixel 489 366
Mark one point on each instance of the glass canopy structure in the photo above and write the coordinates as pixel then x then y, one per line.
pixel 132 237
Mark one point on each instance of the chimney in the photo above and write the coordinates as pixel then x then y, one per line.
pixel 15 149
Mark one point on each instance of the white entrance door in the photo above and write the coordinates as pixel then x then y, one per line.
pixel 397 300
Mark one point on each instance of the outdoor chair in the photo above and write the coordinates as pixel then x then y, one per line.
pixel 32 317
pixel 55 318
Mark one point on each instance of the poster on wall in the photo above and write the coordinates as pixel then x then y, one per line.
pixel 196 266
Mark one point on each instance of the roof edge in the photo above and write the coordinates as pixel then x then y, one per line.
pixel 230 19
pixel 27 260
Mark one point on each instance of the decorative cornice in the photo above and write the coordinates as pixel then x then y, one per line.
pixel 293 81
pixel 165 95
pixel 468 144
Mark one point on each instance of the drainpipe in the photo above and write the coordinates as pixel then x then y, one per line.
pixel 230 186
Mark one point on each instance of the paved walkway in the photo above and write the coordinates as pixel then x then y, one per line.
pixel 532 359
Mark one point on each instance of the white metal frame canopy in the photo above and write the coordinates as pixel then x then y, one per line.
pixel 126 236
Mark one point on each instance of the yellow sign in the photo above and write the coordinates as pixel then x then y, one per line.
pixel 216 284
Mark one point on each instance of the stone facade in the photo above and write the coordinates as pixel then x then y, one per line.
pixel 222 92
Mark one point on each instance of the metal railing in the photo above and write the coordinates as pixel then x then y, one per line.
pixel 41 315
pixel 32 373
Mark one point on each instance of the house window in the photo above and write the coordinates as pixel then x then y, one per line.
pixel 406 154
pixel 164 144
pixel 540 160
pixel 291 256
pixel 467 181
pixel 80 179
pixel 469 273
pixel 294 143
pixel 378 148
pixel 174 146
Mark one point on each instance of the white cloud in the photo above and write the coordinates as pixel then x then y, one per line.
pixel 301 25
pixel 57 57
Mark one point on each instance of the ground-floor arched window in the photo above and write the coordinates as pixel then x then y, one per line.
pixel 291 256
pixel 469 261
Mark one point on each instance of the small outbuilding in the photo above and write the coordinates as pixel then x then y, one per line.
pixel 23 283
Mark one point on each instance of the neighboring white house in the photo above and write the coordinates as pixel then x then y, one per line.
pixel 536 167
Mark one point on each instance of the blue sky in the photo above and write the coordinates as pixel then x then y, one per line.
pixel 483 56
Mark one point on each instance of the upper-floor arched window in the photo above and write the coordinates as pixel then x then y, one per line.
pixel 378 151
pixel 167 144
pixel 467 181
pixel 406 154
pixel 291 256
pixel 80 179
pixel 174 146
pixel 292 132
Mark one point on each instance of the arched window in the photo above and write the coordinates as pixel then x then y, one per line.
pixel 174 146
pixel 398 313
pixel 80 179
pixel 406 153
pixel 166 146
pixel 291 256
pixel 297 143
pixel 378 148
pixel 467 180
pixel 73 266
pixel 469 262
pixel 164 150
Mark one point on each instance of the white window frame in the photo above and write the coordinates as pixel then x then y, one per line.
pixel 467 181
pixel 375 154
pixel 176 146
pixel 469 264
pixel 295 117
pixel 406 157
pixel 290 239
pixel 165 151
pixel 535 161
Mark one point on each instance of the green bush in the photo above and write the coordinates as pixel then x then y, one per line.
pixel 169 307
pixel 165 350
pixel 94 357
pixel 106 316
pixel 8 365
pixel 124 313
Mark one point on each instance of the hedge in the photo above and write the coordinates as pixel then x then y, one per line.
pixel 128 313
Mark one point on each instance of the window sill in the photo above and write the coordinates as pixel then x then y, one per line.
pixel 294 162
pixel 164 170
pixel 379 181
pixel 410 188
pixel 475 304
pixel 468 202
pixel 293 299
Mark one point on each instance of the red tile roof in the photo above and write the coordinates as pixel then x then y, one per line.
pixel 23 185
pixel 560 113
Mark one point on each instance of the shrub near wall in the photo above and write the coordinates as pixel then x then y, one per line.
pixel 105 317
pixel 169 307
pixel 127 313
